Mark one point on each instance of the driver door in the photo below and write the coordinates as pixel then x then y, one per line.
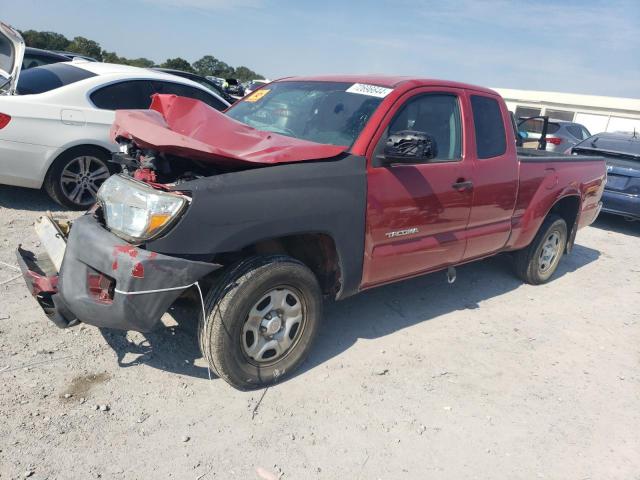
pixel 417 214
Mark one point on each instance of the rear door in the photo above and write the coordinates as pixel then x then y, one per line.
pixel 495 176
pixel 417 214
pixel 11 55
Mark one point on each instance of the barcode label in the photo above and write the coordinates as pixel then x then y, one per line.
pixel 370 90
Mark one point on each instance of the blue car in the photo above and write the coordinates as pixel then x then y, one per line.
pixel 622 151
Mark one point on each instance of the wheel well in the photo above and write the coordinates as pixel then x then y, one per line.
pixel 568 208
pixel 316 250
pixel 78 148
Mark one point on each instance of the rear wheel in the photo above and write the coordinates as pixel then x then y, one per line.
pixel 536 263
pixel 261 319
pixel 75 177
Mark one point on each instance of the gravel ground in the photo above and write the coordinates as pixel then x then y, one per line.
pixel 485 378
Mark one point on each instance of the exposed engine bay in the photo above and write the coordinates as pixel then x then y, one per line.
pixel 158 168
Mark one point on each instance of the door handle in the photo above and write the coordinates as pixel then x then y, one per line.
pixel 462 185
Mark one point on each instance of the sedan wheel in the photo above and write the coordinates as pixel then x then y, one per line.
pixel 81 178
pixel 75 176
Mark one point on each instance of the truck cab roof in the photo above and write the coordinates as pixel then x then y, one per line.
pixel 391 81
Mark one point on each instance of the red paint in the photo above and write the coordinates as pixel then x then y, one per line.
pixel 190 128
pixel 145 175
pixel 114 265
pixel 502 212
pixel 138 270
pixel 100 287
pixel 41 283
pixel 125 249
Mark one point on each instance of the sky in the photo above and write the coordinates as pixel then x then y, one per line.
pixel 586 46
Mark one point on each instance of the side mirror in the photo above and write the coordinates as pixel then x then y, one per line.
pixel 409 146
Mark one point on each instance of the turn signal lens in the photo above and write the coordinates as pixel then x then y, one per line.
pixel 156 222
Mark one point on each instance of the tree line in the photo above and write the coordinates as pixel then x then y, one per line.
pixel 207 65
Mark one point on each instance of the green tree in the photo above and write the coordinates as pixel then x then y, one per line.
pixel 210 65
pixel 207 65
pixel 178 63
pixel 84 46
pixel 112 57
pixel 45 40
pixel 140 62
pixel 245 73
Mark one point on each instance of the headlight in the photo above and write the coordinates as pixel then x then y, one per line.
pixel 135 211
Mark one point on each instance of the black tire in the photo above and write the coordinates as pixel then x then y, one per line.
pixel 228 304
pixel 64 194
pixel 529 263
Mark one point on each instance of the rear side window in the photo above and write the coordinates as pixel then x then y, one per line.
pixel 133 94
pixel 49 77
pixel 585 133
pixel 575 131
pixel 189 92
pixel 489 127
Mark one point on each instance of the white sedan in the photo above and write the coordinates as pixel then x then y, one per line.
pixel 55 119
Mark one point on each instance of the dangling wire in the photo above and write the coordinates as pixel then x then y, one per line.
pixel 160 290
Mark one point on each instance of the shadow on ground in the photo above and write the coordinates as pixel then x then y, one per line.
pixel 618 224
pixel 372 314
pixel 27 199
pixel 171 348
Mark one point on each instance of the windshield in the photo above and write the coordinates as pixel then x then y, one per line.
pixel 321 112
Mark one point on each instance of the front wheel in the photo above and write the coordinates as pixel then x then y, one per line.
pixel 536 263
pixel 261 319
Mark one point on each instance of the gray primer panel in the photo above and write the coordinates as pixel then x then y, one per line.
pixel 237 209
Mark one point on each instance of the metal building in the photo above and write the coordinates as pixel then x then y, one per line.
pixel 597 113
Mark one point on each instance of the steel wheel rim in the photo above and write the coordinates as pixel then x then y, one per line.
pixel 549 252
pixel 274 326
pixel 81 178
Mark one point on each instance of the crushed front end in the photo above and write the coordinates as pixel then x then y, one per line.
pixel 101 273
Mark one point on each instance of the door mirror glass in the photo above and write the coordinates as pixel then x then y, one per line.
pixel 410 146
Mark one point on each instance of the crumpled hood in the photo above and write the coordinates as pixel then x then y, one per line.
pixel 192 129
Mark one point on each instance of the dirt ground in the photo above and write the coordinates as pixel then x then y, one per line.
pixel 486 378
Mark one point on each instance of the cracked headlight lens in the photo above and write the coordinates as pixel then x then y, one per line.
pixel 136 211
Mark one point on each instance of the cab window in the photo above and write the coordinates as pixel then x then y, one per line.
pixel 489 127
pixel 436 114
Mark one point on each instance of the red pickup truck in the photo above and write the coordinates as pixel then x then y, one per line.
pixel 307 188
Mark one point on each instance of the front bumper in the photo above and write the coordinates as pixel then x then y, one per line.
pixel 100 276
pixel 621 204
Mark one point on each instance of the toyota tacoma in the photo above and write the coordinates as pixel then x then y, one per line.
pixel 309 188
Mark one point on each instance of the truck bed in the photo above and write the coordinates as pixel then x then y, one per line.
pixel 528 155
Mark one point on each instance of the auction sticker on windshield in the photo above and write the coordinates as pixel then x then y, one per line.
pixel 370 90
pixel 257 95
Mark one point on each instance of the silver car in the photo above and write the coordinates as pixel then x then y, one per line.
pixel 561 135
